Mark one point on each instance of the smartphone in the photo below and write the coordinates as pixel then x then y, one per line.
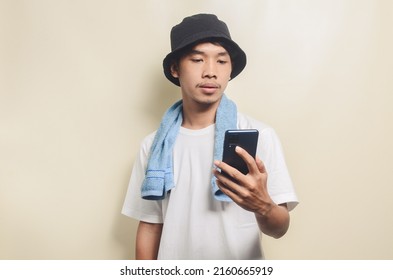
pixel 246 139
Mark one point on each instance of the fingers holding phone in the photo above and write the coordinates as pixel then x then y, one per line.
pixel 247 140
pixel 242 175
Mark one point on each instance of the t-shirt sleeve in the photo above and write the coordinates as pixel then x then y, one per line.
pixel 279 182
pixel 134 205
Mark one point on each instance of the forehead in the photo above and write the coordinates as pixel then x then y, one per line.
pixel 209 48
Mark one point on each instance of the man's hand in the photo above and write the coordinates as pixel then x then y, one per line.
pixel 250 192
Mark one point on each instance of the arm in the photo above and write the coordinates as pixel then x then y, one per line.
pixel 147 241
pixel 276 222
pixel 250 192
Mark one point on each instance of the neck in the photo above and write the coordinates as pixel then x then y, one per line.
pixel 198 118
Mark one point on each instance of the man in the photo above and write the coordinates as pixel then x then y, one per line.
pixel 187 209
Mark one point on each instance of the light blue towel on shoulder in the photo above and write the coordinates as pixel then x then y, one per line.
pixel 159 173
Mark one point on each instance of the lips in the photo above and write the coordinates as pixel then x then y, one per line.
pixel 208 86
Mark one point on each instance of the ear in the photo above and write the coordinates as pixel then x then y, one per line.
pixel 175 70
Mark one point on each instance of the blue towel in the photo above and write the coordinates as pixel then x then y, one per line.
pixel 159 173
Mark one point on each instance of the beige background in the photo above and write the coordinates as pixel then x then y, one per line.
pixel 81 84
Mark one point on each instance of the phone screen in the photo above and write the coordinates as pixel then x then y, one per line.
pixel 246 139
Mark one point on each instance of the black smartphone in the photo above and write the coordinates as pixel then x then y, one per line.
pixel 246 139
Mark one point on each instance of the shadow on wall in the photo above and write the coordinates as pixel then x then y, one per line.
pixel 160 95
pixel 124 229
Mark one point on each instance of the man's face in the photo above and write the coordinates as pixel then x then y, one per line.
pixel 204 73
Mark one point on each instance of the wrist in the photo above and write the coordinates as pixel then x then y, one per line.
pixel 265 211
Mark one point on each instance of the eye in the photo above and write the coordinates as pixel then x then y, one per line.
pixel 221 61
pixel 196 58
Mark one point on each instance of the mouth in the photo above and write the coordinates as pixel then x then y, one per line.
pixel 208 86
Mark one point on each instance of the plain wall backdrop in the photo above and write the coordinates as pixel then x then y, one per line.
pixel 81 84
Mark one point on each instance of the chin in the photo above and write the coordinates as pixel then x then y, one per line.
pixel 210 99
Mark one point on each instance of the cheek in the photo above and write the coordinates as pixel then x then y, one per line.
pixel 227 74
pixel 189 74
pixel 186 79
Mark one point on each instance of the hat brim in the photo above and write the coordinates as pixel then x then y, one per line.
pixel 238 56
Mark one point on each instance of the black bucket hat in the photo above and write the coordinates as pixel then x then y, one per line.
pixel 203 28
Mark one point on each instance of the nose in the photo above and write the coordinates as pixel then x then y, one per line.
pixel 210 70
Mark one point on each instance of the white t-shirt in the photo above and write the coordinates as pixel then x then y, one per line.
pixel 197 226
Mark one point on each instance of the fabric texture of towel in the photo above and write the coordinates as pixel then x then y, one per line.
pixel 159 177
